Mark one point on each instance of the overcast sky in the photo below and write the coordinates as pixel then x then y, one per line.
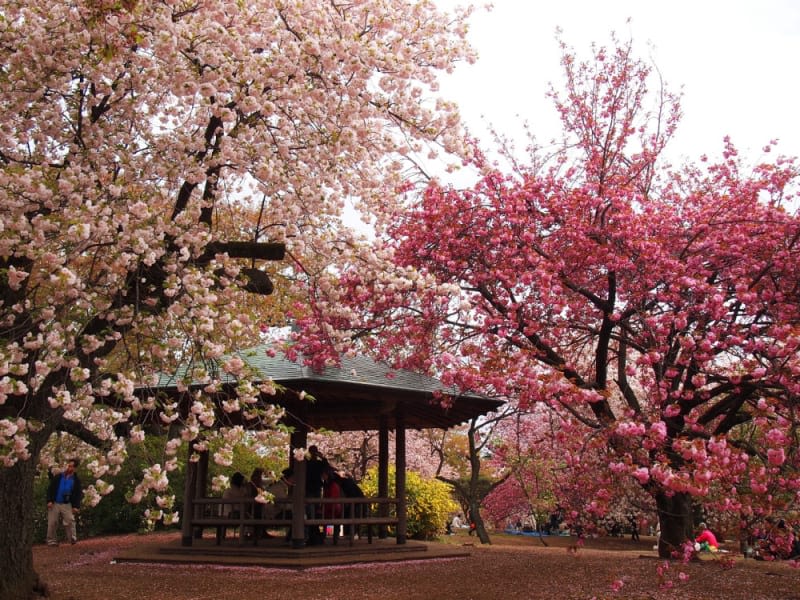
pixel 737 61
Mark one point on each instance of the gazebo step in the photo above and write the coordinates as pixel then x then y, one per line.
pixel 276 553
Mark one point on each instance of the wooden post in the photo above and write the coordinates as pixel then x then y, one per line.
pixel 400 474
pixel 188 497
pixel 383 474
pixel 298 439
pixel 200 489
pixel 299 505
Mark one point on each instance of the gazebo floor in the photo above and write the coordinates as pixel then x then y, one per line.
pixel 278 553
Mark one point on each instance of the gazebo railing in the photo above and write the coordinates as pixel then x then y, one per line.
pixel 355 513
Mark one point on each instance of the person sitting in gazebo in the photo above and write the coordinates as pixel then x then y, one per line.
pixel 254 488
pixel 237 490
pixel 331 488
pixel 281 492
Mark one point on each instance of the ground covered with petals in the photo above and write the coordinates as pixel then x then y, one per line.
pixel 512 567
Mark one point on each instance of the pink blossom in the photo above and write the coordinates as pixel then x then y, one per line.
pixel 776 456
pixel 642 475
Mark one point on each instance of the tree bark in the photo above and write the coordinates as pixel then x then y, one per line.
pixel 675 521
pixel 19 580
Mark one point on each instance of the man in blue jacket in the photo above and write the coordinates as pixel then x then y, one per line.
pixel 64 496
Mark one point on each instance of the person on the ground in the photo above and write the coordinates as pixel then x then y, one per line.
pixel 706 539
pixel 633 521
pixel 473 526
pixel 64 495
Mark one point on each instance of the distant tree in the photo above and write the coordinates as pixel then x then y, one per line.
pixel 464 453
pixel 525 447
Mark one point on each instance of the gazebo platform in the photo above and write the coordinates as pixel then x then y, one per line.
pixel 277 553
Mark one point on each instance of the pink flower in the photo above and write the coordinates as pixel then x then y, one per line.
pixel 642 475
pixel 776 456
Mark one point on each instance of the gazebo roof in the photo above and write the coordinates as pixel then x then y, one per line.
pixel 356 395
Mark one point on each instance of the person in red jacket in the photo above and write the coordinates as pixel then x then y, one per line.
pixel 331 488
pixel 706 538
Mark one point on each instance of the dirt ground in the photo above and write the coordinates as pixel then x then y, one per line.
pixel 512 567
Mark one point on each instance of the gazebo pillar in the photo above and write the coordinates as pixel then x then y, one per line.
pixel 298 439
pixel 400 473
pixel 200 489
pixel 383 473
pixel 188 498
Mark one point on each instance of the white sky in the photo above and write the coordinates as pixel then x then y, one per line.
pixel 737 61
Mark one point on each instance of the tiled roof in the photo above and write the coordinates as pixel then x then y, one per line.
pixel 354 395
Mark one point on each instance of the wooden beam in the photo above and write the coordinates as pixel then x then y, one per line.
pixel 383 473
pixel 400 472
pixel 188 497
pixel 251 250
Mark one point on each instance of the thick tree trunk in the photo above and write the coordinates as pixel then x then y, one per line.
pixel 675 520
pixel 19 581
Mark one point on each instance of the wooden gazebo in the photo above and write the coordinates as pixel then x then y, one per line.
pixel 357 395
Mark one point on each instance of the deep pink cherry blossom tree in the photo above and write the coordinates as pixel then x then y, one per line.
pixel 655 309
pixel 154 154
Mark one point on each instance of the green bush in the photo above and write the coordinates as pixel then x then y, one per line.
pixel 428 502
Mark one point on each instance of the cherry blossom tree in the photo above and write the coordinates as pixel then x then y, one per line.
pixel 538 450
pixel 463 452
pixel 526 446
pixel 653 308
pixel 155 153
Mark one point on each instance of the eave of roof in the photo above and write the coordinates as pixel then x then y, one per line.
pixel 359 394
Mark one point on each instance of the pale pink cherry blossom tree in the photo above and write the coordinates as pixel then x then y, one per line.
pixel 655 309
pixel 153 154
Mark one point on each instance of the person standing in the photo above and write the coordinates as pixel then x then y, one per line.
pixel 64 495
pixel 633 521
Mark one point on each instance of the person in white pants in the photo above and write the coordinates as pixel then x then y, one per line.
pixel 64 496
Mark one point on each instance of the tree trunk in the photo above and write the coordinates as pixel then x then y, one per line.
pixel 19 580
pixel 475 515
pixel 675 521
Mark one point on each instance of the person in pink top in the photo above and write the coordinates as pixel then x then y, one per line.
pixel 706 537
